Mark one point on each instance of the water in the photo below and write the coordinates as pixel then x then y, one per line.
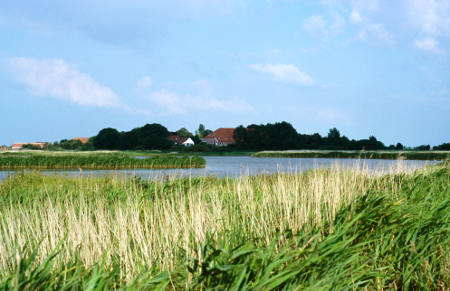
pixel 245 165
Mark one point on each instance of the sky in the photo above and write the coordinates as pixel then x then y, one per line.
pixel 368 67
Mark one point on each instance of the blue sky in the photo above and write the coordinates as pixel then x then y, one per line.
pixel 366 67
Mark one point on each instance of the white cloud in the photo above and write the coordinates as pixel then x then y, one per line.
pixel 323 26
pixel 184 104
pixel 374 31
pixel 431 19
pixel 355 17
pixel 172 102
pixel 428 44
pixel 432 16
pixel 315 25
pixel 284 73
pixel 144 83
pixel 56 78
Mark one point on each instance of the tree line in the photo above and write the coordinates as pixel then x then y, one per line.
pixel 148 137
pixel 283 136
pixel 276 136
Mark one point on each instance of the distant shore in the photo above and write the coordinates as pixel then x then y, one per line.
pixel 389 155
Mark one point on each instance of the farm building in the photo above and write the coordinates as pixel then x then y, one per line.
pixel 82 139
pixel 178 140
pixel 19 145
pixel 220 137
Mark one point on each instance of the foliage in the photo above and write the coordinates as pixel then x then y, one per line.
pixel 107 139
pixel 442 147
pixel 148 137
pixel 282 136
pixel 113 160
pixel 422 148
pixel 202 131
pixel 30 146
pixel 183 132
pixel 385 232
pixel 390 155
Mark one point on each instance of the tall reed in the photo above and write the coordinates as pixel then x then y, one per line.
pixel 96 161
pixel 135 226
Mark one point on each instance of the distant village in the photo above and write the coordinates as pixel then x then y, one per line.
pixel 277 136
pixel 219 137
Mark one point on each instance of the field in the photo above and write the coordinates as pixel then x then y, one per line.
pixel 321 229
pixel 95 160
pixel 389 155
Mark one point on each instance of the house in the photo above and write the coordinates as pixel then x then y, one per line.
pixel 188 142
pixel 178 140
pixel 220 137
pixel 83 140
pixel 19 145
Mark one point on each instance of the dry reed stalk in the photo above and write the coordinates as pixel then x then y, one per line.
pixel 149 227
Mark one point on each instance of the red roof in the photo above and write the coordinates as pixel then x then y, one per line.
pixel 222 135
pixel 178 139
pixel 21 144
pixel 82 139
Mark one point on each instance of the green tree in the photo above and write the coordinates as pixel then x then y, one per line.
pixel 154 136
pixel 107 139
pixel 184 132
pixel 334 134
pixel 202 131
pixel 129 140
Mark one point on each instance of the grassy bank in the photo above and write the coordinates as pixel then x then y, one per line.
pixel 322 229
pixel 95 160
pixel 388 155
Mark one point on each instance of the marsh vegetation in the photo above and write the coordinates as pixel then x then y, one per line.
pixel 387 155
pixel 324 228
pixel 95 160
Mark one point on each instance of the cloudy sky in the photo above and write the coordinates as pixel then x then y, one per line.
pixel 366 67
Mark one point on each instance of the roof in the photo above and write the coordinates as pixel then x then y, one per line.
pixel 178 139
pixel 222 135
pixel 82 139
pixel 188 140
pixel 21 144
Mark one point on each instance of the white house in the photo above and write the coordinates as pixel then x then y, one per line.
pixel 188 142
pixel 178 140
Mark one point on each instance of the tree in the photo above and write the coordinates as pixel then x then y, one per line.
pixel 423 148
pixel 240 136
pixel 129 140
pixel 107 139
pixel 183 132
pixel 334 134
pixel 399 146
pixel 70 144
pixel 281 135
pixel 442 147
pixel 154 136
pixel 333 140
pixel 31 147
pixel 202 131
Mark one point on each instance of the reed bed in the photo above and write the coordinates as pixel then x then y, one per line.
pixel 321 229
pixel 113 160
pixel 385 155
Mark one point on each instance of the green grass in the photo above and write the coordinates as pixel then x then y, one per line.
pixel 94 160
pixel 319 230
pixel 389 155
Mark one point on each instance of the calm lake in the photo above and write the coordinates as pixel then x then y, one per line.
pixel 245 165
